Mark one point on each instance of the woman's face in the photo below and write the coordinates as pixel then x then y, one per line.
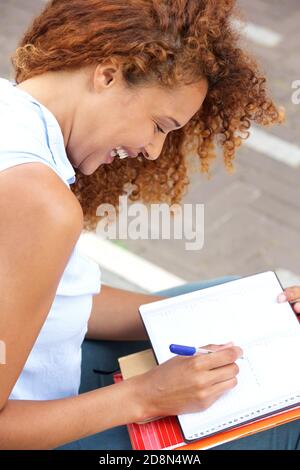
pixel 110 116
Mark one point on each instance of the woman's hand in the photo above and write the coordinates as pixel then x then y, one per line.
pixel 292 295
pixel 186 384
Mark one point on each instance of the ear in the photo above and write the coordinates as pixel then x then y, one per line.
pixel 106 75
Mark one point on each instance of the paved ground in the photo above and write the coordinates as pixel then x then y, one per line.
pixel 252 219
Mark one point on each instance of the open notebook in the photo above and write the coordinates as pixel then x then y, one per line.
pixel 246 312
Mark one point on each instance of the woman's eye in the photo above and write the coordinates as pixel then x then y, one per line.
pixel 159 129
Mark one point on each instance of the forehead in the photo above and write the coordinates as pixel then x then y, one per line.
pixel 180 103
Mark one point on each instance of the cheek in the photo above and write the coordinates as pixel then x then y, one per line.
pixel 140 134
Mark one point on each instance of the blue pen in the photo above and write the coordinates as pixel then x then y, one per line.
pixel 187 350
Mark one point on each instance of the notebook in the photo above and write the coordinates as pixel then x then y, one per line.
pixel 246 312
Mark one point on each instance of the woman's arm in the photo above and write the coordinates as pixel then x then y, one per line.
pixel 115 315
pixel 49 424
pixel 40 222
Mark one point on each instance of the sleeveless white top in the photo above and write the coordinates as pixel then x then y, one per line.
pixel 29 132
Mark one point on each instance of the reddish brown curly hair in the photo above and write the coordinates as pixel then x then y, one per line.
pixel 160 42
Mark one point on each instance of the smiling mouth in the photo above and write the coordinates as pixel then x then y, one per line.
pixel 122 153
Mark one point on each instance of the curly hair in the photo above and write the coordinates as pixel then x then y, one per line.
pixel 167 43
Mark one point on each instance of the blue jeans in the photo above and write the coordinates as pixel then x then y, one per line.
pixel 103 355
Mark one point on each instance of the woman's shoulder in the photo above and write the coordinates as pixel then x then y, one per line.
pixel 20 119
pixel 38 189
pixel 28 132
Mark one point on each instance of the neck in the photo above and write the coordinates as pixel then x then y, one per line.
pixel 56 91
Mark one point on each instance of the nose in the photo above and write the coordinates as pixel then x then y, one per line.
pixel 153 151
pixel 149 157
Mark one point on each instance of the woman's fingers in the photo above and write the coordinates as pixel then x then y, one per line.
pixel 222 374
pixel 297 307
pixel 290 294
pixel 215 392
pixel 220 358
pixel 217 347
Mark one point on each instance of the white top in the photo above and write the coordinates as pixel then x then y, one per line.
pixel 29 132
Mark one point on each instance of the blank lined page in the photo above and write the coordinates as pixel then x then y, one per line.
pixel 246 312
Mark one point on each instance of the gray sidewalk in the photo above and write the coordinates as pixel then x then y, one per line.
pixel 252 219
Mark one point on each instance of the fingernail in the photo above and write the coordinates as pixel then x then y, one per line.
pixel 281 298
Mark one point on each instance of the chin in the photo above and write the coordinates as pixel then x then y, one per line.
pixel 87 172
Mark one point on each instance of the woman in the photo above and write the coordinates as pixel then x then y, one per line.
pixel 97 82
